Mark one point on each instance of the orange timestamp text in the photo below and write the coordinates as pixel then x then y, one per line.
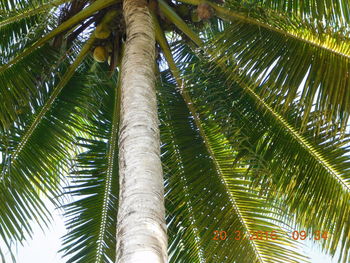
pixel 270 235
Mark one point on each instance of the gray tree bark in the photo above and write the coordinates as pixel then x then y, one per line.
pixel 141 229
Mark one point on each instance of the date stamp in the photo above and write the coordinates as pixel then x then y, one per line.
pixel 270 235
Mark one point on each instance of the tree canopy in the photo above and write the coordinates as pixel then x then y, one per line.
pixel 253 102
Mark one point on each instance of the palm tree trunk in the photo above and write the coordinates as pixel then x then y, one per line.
pixel 141 229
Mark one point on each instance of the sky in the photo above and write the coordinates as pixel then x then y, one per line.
pixel 44 245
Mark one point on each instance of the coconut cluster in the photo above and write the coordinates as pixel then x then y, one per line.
pixel 102 32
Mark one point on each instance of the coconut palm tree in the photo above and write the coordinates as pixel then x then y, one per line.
pixel 176 131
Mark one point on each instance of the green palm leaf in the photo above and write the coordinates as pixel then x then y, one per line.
pixel 336 11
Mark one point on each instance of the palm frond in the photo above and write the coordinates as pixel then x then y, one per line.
pixel 201 181
pixel 20 34
pixel 299 164
pixel 19 84
pixel 270 60
pixel 94 183
pixel 19 14
pixel 262 44
pixel 314 33
pixel 337 12
pixel 47 106
pixel 26 175
pixel 14 5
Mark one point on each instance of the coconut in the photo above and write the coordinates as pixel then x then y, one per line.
pixel 102 31
pixel 100 54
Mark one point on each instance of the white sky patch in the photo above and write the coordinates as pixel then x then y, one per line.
pixel 44 246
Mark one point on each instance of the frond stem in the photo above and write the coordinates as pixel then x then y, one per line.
pixel 112 162
pixel 201 130
pixel 173 17
pixel 160 38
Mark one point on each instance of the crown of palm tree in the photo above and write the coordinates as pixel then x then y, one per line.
pixel 253 103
